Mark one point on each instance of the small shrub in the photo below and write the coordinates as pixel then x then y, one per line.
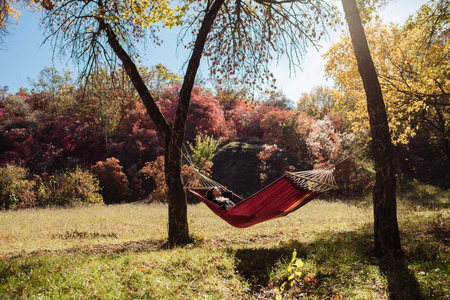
pixel 82 187
pixel 155 170
pixel 113 181
pixel 16 191
pixel 69 188
pixel 204 150
pixel 293 273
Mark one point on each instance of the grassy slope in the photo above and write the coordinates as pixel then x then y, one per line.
pixel 110 252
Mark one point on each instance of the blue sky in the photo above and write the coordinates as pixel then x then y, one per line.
pixel 24 55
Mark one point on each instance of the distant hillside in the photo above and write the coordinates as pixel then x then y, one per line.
pixel 236 166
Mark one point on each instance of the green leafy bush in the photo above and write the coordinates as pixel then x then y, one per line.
pixel 69 188
pixel 202 153
pixel 16 191
pixel 204 150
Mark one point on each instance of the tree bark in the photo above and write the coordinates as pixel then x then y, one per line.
pixel 386 233
pixel 176 196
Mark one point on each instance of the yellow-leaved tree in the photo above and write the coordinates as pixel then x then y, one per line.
pixel 413 69
pixel 9 9
pixel 363 88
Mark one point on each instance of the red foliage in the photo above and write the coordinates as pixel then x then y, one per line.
pixel 273 123
pixel 17 144
pixel 67 137
pixel 155 170
pixel 3 114
pixel 113 181
pixel 245 119
pixel 205 113
pixel 274 161
pixel 136 140
pixel 137 185
pixel 39 102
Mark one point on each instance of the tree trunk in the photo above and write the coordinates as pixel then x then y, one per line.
pixel 173 134
pixel 386 233
pixel 176 197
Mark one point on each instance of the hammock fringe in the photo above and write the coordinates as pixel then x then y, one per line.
pixel 320 180
pixel 202 182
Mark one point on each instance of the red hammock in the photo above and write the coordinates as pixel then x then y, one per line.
pixel 278 199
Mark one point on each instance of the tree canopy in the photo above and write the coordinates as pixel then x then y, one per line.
pixel 413 70
pixel 9 10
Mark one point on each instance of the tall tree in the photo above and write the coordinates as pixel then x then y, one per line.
pixel 412 72
pixel 59 89
pixel 238 38
pixel 412 65
pixel 386 233
pixel 318 103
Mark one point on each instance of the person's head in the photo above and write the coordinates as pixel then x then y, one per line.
pixel 213 193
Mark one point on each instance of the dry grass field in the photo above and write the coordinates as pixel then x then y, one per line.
pixel 115 252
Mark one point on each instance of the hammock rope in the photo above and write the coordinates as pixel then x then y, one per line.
pixel 320 180
pixel 199 181
pixel 202 182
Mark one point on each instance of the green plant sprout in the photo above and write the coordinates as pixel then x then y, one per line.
pixel 293 270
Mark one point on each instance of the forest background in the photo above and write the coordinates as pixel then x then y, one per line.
pixel 64 142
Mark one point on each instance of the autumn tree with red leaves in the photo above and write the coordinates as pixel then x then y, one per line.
pixel 113 181
pixel 205 112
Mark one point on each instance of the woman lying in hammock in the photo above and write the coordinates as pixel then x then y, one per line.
pixel 223 199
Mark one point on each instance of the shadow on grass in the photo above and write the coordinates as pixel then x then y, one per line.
pixel 338 257
pixel 401 282
pixel 145 245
